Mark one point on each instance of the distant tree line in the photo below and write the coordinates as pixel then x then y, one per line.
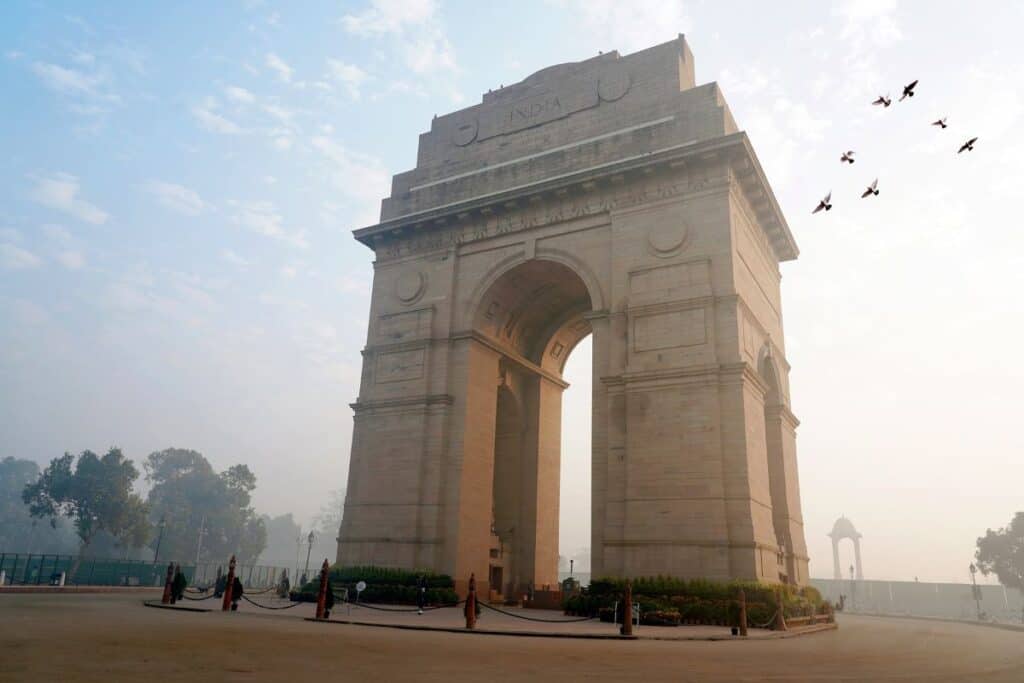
pixel 1001 552
pixel 87 505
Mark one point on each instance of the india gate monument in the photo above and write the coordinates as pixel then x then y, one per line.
pixel 611 197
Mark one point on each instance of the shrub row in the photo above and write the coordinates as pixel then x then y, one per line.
pixel 668 600
pixel 383 586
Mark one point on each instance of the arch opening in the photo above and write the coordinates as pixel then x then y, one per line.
pixel 533 316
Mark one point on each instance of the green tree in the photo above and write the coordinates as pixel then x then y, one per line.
pixel 189 495
pixel 95 493
pixel 1002 553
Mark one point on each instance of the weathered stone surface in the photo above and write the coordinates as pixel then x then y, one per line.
pixel 611 197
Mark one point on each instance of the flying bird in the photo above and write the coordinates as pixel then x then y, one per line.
pixel 967 146
pixel 847 156
pixel 883 100
pixel 825 203
pixel 908 91
pixel 872 189
pixel 941 123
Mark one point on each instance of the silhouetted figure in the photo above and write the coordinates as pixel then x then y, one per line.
pixel 941 123
pixel 967 146
pixel 883 100
pixel 328 600
pixel 847 157
pixel 220 584
pixel 178 584
pixel 825 203
pixel 236 593
pixel 908 91
pixel 872 190
pixel 284 586
pixel 421 593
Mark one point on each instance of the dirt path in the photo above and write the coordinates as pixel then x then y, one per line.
pixel 114 638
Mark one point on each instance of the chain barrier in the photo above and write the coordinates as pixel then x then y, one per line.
pixel 207 597
pixel 771 620
pixel 526 618
pixel 253 602
pixel 395 609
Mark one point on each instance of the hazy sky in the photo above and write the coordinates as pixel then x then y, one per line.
pixel 178 186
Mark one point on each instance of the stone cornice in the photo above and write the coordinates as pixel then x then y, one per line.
pixel 734 148
pixel 424 400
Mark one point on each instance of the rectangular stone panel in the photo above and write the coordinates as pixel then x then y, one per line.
pixel 406 326
pixel 669 330
pixel 400 366
pixel 678 281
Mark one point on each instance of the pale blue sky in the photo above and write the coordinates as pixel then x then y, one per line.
pixel 178 186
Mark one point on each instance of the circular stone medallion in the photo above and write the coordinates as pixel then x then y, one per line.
pixel 409 286
pixel 465 132
pixel 613 84
pixel 667 240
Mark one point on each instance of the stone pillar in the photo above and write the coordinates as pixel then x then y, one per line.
pixel 838 572
pixel 538 540
pixel 599 323
pixel 856 556
pixel 469 469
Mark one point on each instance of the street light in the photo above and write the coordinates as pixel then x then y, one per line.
pixel 975 590
pixel 161 524
pixel 309 540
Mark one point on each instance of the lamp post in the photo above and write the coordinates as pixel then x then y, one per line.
pixel 309 540
pixel 853 590
pixel 159 539
pixel 974 591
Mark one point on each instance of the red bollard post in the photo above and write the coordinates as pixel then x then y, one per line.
pixel 321 599
pixel 228 586
pixel 627 611
pixel 471 603
pixel 166 599
pixel 743 612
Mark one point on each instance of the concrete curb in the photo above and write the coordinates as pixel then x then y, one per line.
pixel 23 590
pixel 944 620
pixel 478 631
pixel 179 608
pixel 578 636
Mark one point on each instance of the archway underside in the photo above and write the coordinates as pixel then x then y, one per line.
pixel 533 313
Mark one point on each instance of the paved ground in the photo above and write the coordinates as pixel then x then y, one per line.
pixel 114 638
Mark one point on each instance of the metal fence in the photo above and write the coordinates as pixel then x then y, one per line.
pixel 42 570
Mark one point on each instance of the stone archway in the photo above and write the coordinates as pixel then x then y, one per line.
pixel 611 197
pixel 844 529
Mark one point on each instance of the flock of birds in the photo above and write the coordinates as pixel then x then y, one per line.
pixel 847 156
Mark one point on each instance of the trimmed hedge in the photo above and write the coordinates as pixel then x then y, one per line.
pixel 383 586
pixel 668 601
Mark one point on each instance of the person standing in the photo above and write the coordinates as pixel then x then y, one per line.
pixel 236 593
pixel 421 593
pixel 178 584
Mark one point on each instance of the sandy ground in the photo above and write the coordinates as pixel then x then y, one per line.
pixel 114 638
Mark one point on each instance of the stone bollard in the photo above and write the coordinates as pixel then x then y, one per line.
pixel 471 603
pixel 321 598
pixel 229 586
pixel 780 617
pixel 166 599
pixel 743 612
pixel 627 611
